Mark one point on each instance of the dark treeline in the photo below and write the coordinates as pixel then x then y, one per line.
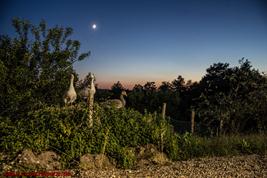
pixel 226 100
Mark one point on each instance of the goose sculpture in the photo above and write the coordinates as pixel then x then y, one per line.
pixel 70 96
pixel 117 103
pixel 90 89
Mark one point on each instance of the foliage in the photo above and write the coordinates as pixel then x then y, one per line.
pixel 102 95
pixel 129 129
pixel 195 146
pixel 36 66
pixel 227 99
pixel 233 97
pixel 65 131
pixel 149 98
pixel 117 88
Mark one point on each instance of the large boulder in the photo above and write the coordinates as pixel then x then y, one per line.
pixel 149 154
pixel 47 160
pixel 146 151
pixel 159 158
pixel 95 161
pixel 27 159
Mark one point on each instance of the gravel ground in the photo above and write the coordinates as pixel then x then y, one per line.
pixel 214 167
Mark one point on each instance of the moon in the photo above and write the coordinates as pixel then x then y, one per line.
pixel 94 26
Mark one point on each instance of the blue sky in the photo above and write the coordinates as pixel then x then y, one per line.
pixel 151 40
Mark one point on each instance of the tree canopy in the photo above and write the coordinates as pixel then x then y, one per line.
pixel 36 65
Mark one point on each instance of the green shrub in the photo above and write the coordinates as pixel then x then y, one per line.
pixel 172 148
pixel 191 146
pixel 127 157
pixel 115 132
pixel 129 128
pixel 65 131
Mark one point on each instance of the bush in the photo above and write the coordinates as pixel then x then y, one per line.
pixel 62 130
pixel 65 131
pixel 129 128
pixel 194 146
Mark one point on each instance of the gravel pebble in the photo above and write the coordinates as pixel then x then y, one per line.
pixel 213 167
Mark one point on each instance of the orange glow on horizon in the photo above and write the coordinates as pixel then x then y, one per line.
pixel 130 84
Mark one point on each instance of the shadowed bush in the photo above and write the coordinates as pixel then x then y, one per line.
pixel 116 133
pixel 194 146
pixel 65 131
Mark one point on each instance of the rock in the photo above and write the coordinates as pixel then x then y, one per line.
pixel 87 162
pixel 90 161
pixel 6 167
pixel 27 159
pixel 159 158
pixel 146 151
pixel 46 160
pixel 149 154
pixel 102 161
pixel 143 162
pixel 49 160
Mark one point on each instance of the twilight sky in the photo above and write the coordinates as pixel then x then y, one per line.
pixel 152 40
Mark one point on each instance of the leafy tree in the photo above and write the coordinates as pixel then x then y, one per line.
pixel 84 83
pixel 36 65
pixel 228 98
pixel 138 88
pixel 151 101
pixel 136 98
pixel 150 87
pixel 117 88
pixel 144 97
pixel 165 87
pixel 179 84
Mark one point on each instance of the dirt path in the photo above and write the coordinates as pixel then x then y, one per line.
pixel 236 166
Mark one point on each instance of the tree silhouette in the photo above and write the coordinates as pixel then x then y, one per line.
pixel 37 64
pixel 117 88
pixel 228 97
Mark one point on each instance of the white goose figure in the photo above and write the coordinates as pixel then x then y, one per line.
pixel 70 96
pixel 90 89
pixel 117 103
pixel 90 99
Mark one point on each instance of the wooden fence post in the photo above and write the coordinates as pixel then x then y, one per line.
pixel 193 121
pixel 221 127
pixel 164 110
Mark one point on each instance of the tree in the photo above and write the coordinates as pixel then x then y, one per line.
pixel 37 64
pixel 165 87
pixel 136 98
pixel 84 83
pixel 150 87
pixel 179 84
pixel 228 100
pixel 117 88
pixel 138 88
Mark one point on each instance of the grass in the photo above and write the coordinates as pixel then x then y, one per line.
pixel 195 146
